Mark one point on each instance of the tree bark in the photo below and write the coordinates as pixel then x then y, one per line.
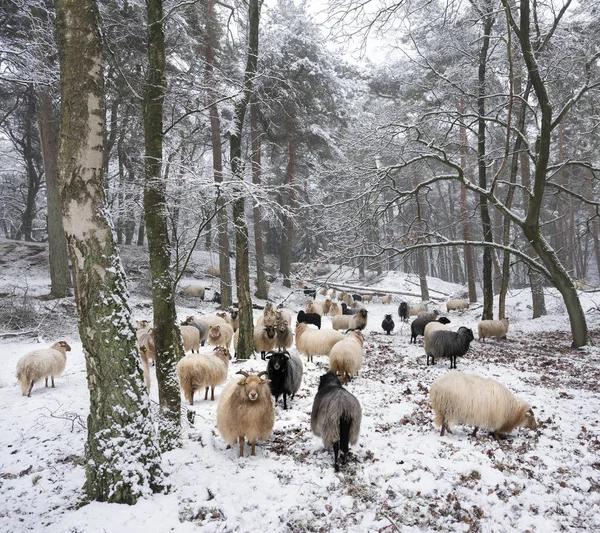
pixel 167 337
pixel 122 455
pixel 285 256
pixel 48 123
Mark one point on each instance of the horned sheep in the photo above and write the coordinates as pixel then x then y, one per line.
pixel 246 410
pixel 42 363
pixel 313 342
pixel 346 357
pixel 203 371
pixel 472 400
pixel 492 328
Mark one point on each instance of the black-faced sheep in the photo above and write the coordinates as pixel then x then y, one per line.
pixel 313 307
pixel 457 305
pixel 216 299
pixel 471 400
pixel 388 324
pixel 285 372
pixel 203 371
pixel 264 340
pixel 43 363
pixel 336 416
pixel 232 318
pixel 196 291
pixel 246 410
pixel 357 321
pixel 417 326
pixel 309 318
pixel 492 328
pixel 220 335
pixel 311 292
pixel 403 311
pixel 346 356
pixel 387 299
pixel 429 329
pixel 449 344
pixel 313 342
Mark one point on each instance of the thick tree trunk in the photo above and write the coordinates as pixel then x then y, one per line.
pixel 285 254
pixel 167 338
pixel 122 454
pixel 48 123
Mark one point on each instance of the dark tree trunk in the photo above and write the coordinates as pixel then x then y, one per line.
pixel 285 257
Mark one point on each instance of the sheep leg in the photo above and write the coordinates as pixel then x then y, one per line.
pixel 285 401
pixel 212 394
pixel 46 381
pixel 206 393
pixel 253 447
pixel 474 434
pixel 201 344
pixel 30 387
pixel 52 379
pixel 241 446
pixel 336 449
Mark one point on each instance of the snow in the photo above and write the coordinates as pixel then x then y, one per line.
pixel 401 472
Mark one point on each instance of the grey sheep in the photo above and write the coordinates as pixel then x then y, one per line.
pixel 449 344
pixel 417 326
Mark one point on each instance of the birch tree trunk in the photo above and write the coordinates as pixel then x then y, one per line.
pixel 122 453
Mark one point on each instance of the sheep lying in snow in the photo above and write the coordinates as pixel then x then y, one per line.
pixel 346 356
pixel 191 338
pixel 456 305
pixel 220 335
pixel 203 371
pixel 335 416
pixel 471 400
pixel 285 372
pixel 449 344
pixel 417 326
pixel 313 342
pixel 43 363
pixel 492 328
pixel 357 321
pixel 313 307
pixel 193 290
pixel 264 340
pixel 246 410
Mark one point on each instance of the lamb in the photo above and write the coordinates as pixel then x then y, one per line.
pixel 335 309
pixel 313 307
pixel 449 344
pixel 203 371
pixel 417 326
pixel 191 338
pixel 309 318
pixel 285 372
pixel 387 299
pixel 429 329
pixel 193 290
pixel 456 305
pixel 264 340
pixel 336 416
pixel 472 400
pixel 357 321
pixel 313 342
pixel 403 311
pixel 201 326
pixel 346 356
pixel 429 315
pixel 492 328
pixel 220 335
pixel 415 309
pixel 42 363
pixel 246 410
pixel 388 324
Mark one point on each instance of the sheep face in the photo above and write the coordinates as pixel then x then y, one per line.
pixel 63 345
pixel 282 325
pixel 253 385
pixel 222 353
pixel 529 421
pixel 270 331
pixel 215 332
pixel 279 360
pixel 234 314
pixel 443 320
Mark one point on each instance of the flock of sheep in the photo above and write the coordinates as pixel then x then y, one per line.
pixel 246 410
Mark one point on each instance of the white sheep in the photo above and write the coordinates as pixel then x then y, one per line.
pixel 357 321
pixel 220 335
pixel 346 357
pixel 232 318
pixel 348 300
pixel 265 340
pixel 313 342
pixel 246 411
pixel 492 328
pixel 191 338
pixel 205 319
pixel 368 298
pixel 213 271
pixel 468 399
pixel 203 371
pixel 314 307
pixel 415 309
pixel 387 299
pixel 43 363
pixel 332 293
pixel 193 291
pixel 457 305
pixel 429 329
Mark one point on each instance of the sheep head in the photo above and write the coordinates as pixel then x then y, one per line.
pixel 222 353
pixel 279 360
pixel 215 331
pixel 252 385
pixel 61 346
pixel 270 331
pixel 529 420
pixel 234 314
pixel 443 320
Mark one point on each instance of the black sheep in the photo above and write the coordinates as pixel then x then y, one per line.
pixel 388 324
pixel 357 297
pixel 449 344
pixel 417 326
pixel 311 292
pixel 285 372
pixel 403 311
pixel 309 318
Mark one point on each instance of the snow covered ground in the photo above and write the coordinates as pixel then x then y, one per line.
pixel 402 476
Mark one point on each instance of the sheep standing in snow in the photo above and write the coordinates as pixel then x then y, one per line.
pixel 430 315
pixel 388 324
pixel 203 371
pixel 415 309
pixel 193 291
pixel 429 329
pixel 43 363
pixel 417 326
pixel 346 357
pixel 403 311
pixel 246 410
pixel 326 306
pixel 313 342
pixel 285 372
pixel 357 321
pixel 232 318
pixel 367 298
pixel 336 416
pixel 449 344
pixel 387 299
pixel 309 318
pixel 268 317
pixel 348 300
pixel 313 307
pixel 335 309
pixel 468 399
pixel 492 328
pixel 201 326
pixel 191 338
pixel 283 333
pixel 457 305
pixel 264 340
pixel 220 335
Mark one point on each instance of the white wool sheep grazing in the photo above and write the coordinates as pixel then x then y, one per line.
pixel 193 291
pixel 191 338
pixel 346 357
pixel 492 328
pixel 387 299
pixel 468 399
pixel 246 410
pixel 357 321
pixel 220 335
pixel 196 372
pixel 335 309
pixel 415 309
pixel 457 305
pixel 314 307
pixel 43 363
pixel 429 329
pixel 265 340
pixel 313 342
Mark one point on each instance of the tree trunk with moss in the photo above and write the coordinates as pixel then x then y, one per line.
pixel 122 452
pixel 167 338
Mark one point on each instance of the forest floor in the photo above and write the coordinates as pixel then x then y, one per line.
pixel 401 476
